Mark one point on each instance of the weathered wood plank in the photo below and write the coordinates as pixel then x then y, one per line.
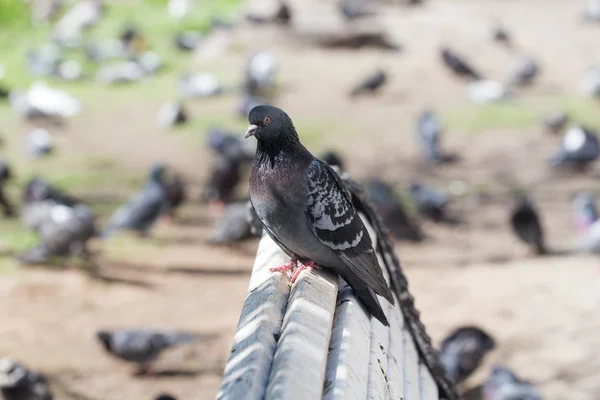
pixel 428 388
pixel 347 371
pixel 396 353
pixel 298 371
pixel 254 343
pixel 411 368
pixel 378 388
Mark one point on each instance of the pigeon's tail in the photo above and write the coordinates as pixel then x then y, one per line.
pixel 183 338
pixel 368 297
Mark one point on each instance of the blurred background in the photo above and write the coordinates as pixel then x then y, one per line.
pixel 123 174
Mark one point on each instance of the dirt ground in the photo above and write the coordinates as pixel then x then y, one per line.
pixel 542 311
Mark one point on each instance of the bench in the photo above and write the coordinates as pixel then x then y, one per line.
pixel 314 340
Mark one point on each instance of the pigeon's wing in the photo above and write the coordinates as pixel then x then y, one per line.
pixel 337 225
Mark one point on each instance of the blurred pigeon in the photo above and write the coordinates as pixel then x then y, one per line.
pixel 132 39
pixel 142 346
pixel 20 383
pixel 371 84
pixel 283 15
pixel 334 159
pixel 38 189
pixel 106 50
pixel 392 211
pixel 526 224
pixel 5 175
pixel 429 130
pixel 579 148
pixel 120 72
pixel 149 61
pixel 555 122
pixel 83 15
pixel 175 191
pixel 39 143
pixel 305 207
pixel 592 11
pixel 63 230
pixel 230 145
pixel 165 396
pixel 460 67
pixel 463 350
pixel 233 226
pixel 43 61
pixel 143 209
pixel 486 91
pixel 223 178
pixel 503 384
pixel 525 73
pixel 500 34
pixel 188 40
pixel 588 224
pixel 172 113
pixel 199 85
pixel 260 74
pixel 42 101
pixel 179 9
pixel 430 202
pixel 69 70
pixel 355 9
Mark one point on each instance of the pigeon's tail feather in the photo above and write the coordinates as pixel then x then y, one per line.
pixel 368 297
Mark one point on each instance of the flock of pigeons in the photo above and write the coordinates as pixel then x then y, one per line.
pixel 65 224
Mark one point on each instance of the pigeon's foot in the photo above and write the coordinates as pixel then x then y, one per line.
pixel 292 264
pixel 308 266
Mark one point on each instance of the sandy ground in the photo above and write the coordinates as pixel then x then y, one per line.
pixel 543 312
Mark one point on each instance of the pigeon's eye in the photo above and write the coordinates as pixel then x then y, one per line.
pixel 267 121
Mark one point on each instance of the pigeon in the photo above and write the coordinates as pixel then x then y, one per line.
pixel 69 70
pixel 354 9
pixel 199 85
pixel 283 15
pixel 334 159
pixel 260 74
pixel 43 102
pixel 83 15
pixel 526 224
pixel 5 175
pixel 487 91
pixel 429 130
pixel 20 383
pixel 142 346
pixel 460 67
pixel 120 72
pixel 233 226
pixel 44 60
pixel 175 191
pixel 588 225
pixel 171 114
pixel 392 211
pixel 187 40
pixel 132 39
pixel 555 122
pixel 149 61
pixel 223 178
pixel 165 396
pixel 63 230
pixel 143 209
pixel 501 35
pixel 463 350
pixel 106 50
pixel 430 202
pixel 525 72
pixel 38 189
pixel 39 143
pixel 503 384
pixel 371 84
pixel 230 145
pixel 579 148
pixel 306 209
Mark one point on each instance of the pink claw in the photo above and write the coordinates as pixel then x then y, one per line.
pixel 308 266
pixel 289 265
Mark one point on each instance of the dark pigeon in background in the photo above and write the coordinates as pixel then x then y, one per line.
pixel 503 384
pixel 371 84
pixel 5 176
pixel 458 66
pixel 355 9
pixel 306 209
pixel 334 159
pixel 525 73
pixel 142 346
pixel 37 189
pixel 429 131
pixel 555 122
pixel 172 114
pixel 20 383
pixel 234 226
pixel 175 191
pixel 430 202
pixel 143 209
pixel 463 350
pixel 526 224
pixel 224 176
pixel 392 212
pixel 579 148
pixel 232 145
pixel 188 40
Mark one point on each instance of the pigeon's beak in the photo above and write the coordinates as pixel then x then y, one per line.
pixel 250 132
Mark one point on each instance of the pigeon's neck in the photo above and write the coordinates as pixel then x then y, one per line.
pixel 270 153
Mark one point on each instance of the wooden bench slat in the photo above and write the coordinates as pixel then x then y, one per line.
pixel 378 366
pixel 396 354
pixel 254 343
pixel 429 390
pixel 298 370
pixel 411 368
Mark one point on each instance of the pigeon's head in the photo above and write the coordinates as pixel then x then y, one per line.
pixel 105 338
pixel 11 373
pixel 156 172
pixel 332 158
pixel 270 124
